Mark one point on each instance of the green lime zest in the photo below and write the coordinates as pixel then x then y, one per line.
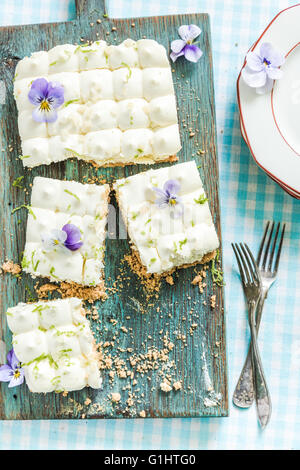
pixel 201 199
pixel 217 273
pixel 17 182
pixel 129 70
pixel 71 194
pixel 25 207
pixel 70 102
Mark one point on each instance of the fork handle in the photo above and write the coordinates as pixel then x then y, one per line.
pixel 262 396
pixel 244 395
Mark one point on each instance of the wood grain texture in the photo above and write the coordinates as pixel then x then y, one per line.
pixel 195 96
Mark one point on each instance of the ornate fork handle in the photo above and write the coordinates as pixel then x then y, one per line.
pixel 262 396
pixel 244 394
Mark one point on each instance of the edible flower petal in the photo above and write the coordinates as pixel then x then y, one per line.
pixel 68 238
pixel 73 241
pixel 185 46
pixel 262 68
pixel 168 197
pixel 53 240
pixel 12 372
pixel 46 97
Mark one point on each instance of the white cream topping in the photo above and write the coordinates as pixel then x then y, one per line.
pixel 36 64
pixel 162 240
pixel 123 54
pixel 55 345
pixel 92 56
pixel 166 140
pixel 63 59
pixel 162 111
pixel 136 143
pixel 55 203
pixel 157 82
pixel 35 152
pixel 113 88
pixel 152 54
pixel 99 116
pixel 96 85
pixel 71 84
pixel 133 114
pixel 102 145
pixel 29 129
pixel 69 121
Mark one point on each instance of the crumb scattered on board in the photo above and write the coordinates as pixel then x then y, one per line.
pixel 124 366
pixel 71 289
pixel 11 267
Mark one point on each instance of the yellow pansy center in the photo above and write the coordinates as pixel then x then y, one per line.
pixel 44 106
pixel 172 201
pixel 17 374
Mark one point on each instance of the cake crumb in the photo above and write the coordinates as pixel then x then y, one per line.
pixel 213 301
pixel 71 289
pixel 11 267
pixel 165 386
pixel 170 280
pixel 151 282
pixel 177 385
pixel 88 401
pixel 115 397
pixel 197 279
pixel 142 414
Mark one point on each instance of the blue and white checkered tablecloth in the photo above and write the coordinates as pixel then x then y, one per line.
pixel 248 199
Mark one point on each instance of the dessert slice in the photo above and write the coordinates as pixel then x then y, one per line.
pixel 112 105
pixel 66 230
pixel 167 217
pixel 55 345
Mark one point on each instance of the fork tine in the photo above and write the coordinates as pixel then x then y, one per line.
pixel 249 264
pixel 262 243
pixel 267 247
pixel 256 275
pixel 239 263
pixel 244 264
pixel 273 248
pixel 279 249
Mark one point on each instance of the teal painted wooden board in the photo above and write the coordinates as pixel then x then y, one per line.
pixel 180 305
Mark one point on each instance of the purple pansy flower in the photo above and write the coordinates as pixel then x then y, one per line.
pixel 73 241
pixel 168 197
pixel 262 68
pixel 46 96
pixel 12 372
pixel 69 237
pixel 185 46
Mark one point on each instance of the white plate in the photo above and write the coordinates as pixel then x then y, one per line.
pixel 270 123
pixel 288 190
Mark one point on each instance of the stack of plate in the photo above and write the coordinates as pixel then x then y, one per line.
pixel 270 123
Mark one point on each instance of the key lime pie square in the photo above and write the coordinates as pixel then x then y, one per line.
pixel 112 105
pixel 66 231
pixel 55 345
pixel 168 217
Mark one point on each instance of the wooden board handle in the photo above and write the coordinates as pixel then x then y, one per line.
pixel 90 7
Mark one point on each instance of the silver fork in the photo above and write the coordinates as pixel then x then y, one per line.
pixel 251 283
pixel 244 391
